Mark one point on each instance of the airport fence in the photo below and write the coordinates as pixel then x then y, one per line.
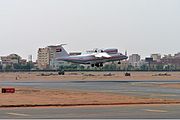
pixel 89 70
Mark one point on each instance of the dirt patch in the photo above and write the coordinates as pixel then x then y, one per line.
pixel 47 76
pixel 29 97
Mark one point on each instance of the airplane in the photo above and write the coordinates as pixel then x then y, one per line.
pixel 96 57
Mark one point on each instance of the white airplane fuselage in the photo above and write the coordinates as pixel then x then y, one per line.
pixel 91 59
pixel 95 59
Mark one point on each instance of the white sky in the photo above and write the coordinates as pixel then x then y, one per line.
pixel 138 26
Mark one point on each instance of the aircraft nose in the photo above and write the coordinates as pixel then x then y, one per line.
pixel 126 57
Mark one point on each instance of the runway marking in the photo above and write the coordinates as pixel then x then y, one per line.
pixel 159 111
pixel 18 114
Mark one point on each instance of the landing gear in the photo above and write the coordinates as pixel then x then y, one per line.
pixel 92 65
pixel 61 72
pixel 119 62
pixel 97 64
pixel 101 64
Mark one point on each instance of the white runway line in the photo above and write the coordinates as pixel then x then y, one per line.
pixel 159 111
pixel 18 114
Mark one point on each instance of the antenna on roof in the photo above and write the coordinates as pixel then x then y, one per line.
pixel 126 52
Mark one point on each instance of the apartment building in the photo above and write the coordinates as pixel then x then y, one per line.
pixel 177 55
pixel 156 57
pixel 47 57
pixel 134 59
pixel 171 61
pixel 43 59
pixel 10 59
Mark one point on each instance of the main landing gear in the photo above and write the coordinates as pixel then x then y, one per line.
pixel 92 65
pixel 97 65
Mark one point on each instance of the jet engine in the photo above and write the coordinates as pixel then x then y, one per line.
pixel 111 51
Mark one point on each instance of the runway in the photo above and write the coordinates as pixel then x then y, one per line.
pixel 142 88
pixel 134 88
pixel 137 111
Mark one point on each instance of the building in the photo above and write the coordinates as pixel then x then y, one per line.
pixel 23 62
pixel 47 58
pixel 168 56
pixel 134 59
pixel 156 57
pixel 11 59
pixel 168 62
pixel 29 58
pixel 141 63
pixel 43 58
pixel 124 65
pixel 172 62
pixel 177 55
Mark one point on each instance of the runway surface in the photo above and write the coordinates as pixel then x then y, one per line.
pixel 138 111
pixel 142 88
pixel 135 88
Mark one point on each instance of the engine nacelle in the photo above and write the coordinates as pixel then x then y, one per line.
pixel 111 51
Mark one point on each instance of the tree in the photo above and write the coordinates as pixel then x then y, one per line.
pixel 130 67
pixel 1 67
pixel 144 67
pixel 8 67
pixel 81 67
pixel 159 67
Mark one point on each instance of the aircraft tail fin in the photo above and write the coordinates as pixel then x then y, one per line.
pixel 61 52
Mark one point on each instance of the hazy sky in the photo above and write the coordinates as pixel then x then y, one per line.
pixel 138 26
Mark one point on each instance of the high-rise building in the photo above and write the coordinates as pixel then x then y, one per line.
pixel 30 58
pixel 43 58
pixel 134 59
pixel 54 64
pixel 47 57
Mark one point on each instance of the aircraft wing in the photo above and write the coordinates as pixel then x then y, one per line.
pixel 100 55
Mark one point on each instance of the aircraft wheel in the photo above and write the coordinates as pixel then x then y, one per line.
pixel 101 64
pixel 97 64
pixel 119 62
pixel 92 65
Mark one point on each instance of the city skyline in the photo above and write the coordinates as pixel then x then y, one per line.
pixel 142 26
pixel 30 56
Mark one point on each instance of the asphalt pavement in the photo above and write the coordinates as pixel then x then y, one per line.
pixel 142 88
pixel 111 112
